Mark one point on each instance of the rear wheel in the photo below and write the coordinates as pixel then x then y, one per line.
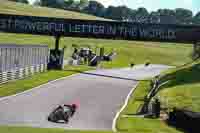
pixel 55 116
pixel 52 118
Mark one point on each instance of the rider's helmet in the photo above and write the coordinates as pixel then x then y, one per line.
pixel 74 106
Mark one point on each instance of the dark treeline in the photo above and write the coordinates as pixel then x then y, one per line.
pixel 123 13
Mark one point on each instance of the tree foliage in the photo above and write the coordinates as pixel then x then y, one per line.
pixel 123 13
pixel 21 1
pixel 52 3
pixel 196 19
pixel 183 16
pixel 95 8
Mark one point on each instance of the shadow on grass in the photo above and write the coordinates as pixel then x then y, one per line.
pixel 181 129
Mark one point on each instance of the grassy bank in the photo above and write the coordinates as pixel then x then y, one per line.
pixel 18 86
pixel 182 90
pixel 130 123
pixel 127 51
pixel 8 7
pixel 40 130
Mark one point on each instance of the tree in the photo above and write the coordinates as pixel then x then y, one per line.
pixel 83 4
pixel 69 4
pixel 183 16
pixel 95 8
pixel 21 1
pixel 154 17
pixel 52 3
pixel 166 12
pixel 112 13
pixel 167 16
pixel 125 13
pixel 37 3
pixel 141 15
pixel 196 19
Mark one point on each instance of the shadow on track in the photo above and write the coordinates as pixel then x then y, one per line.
pixel 102 75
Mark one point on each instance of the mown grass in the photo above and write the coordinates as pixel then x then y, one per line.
pixel 128 122
pixel 182 90
pixel 18 86
pixel 145 125
pixel 7 129
pixel 137 98
pixel 8 7
pixel 127 51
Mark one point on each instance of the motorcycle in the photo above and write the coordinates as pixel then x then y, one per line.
pixel 63 112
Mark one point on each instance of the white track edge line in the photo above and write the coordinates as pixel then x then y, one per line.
pixel 123 107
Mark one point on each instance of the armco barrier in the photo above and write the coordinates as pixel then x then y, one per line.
pixel 20 61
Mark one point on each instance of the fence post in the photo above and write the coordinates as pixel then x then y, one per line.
pixel 1 77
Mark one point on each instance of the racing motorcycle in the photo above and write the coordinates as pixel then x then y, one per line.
pixel 62 112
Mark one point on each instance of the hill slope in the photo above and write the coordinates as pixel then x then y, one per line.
pixel 137 52
pixel 7 7
pixel 182 90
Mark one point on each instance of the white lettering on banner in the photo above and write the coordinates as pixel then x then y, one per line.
pixel 96 29
pixel 77 28
pixel 39 26
pixel 87 28
pixel 101 29
pixel 84 30
pixel 2 23
pixel 17 24
pixel 142 33
pixel 70 27
pixel 30 26
pixel 46 26
pixel 59 27
pixel 9 24
pixel 131 31
pixel 52 26
pixel 112 30
pixel 122 31
pixel 90 28
pixel 134 32
pixel 62 27
pixel 157 34
pixel 172 34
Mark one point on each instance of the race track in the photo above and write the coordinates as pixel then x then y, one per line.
pixel 100 98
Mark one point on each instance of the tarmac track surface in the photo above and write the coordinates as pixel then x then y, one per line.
pixel 99 96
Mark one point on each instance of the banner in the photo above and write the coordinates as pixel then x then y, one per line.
pixel 98 29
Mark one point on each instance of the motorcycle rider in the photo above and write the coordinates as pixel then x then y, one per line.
pixel 63 112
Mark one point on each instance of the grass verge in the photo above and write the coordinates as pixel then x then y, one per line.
pixel 135 124
pixel 7 129
pixel 9 7
pixel 18 86
pixel 182 91
pixel 127 51
pixel 138 52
